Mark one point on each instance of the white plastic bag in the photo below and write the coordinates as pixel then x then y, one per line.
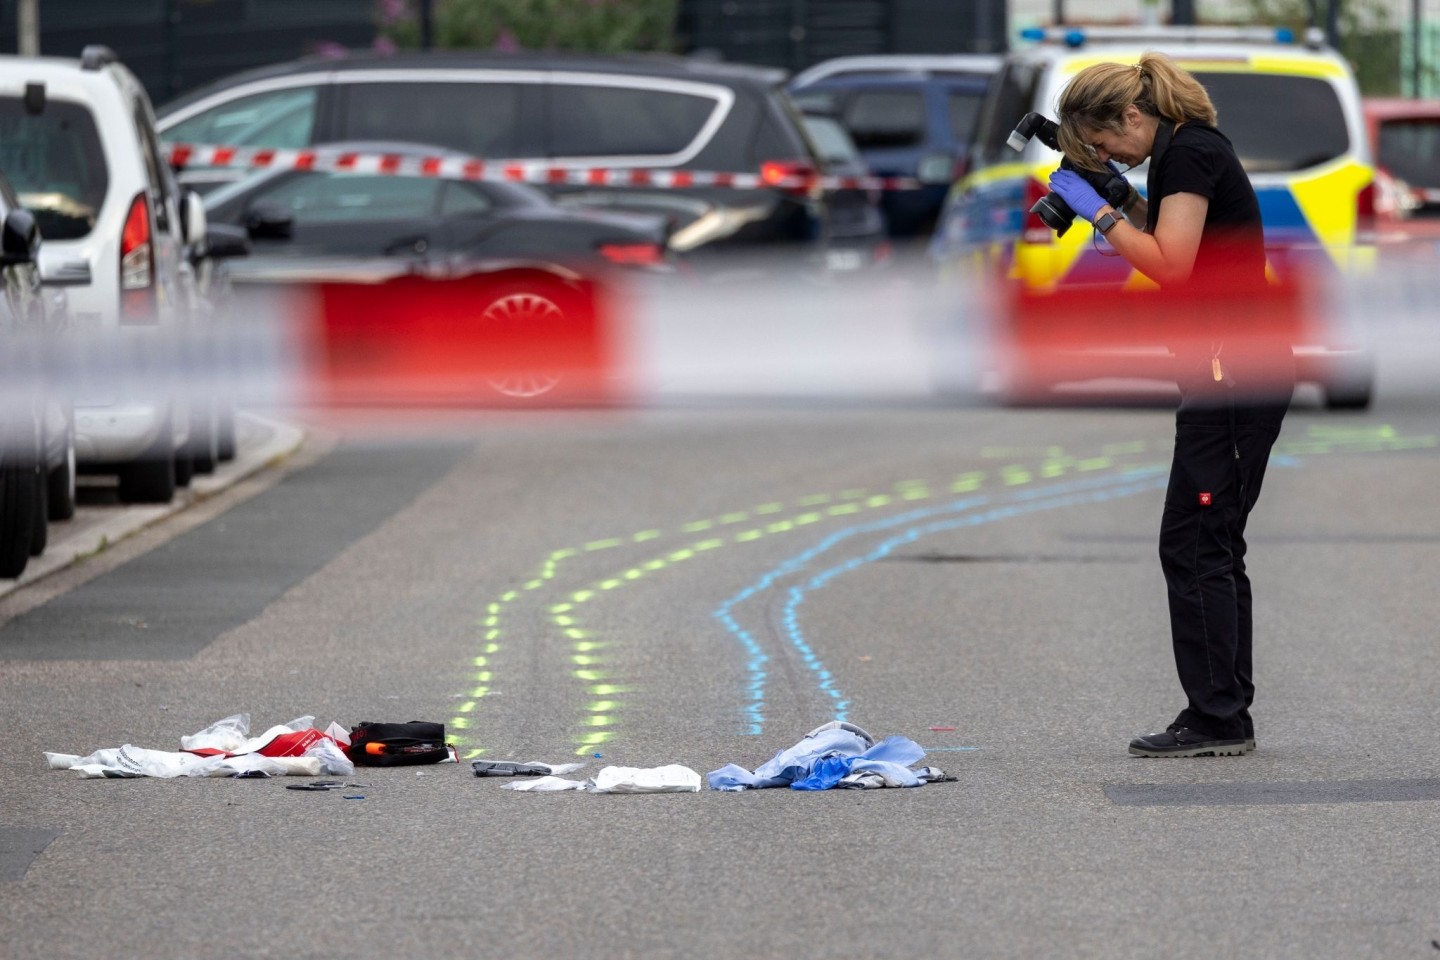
pixel 226 735
pixel 333 761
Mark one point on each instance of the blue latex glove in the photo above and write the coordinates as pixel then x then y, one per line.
pixel 1077 192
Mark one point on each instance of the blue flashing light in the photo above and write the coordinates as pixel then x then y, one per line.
pixel 1284 35
pixel 1075 38
pixel 1033 33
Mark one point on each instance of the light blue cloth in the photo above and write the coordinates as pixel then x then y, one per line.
pixel 891 758
pixel 823 758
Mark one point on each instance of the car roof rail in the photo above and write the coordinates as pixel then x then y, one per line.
pixel 96 55
pixel 1079 36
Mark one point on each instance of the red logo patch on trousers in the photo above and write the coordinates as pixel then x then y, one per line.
pixel 1205 499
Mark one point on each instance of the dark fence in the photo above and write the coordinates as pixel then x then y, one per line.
pixel 176 45
pixel 795 34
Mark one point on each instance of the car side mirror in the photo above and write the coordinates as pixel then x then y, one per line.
pixel 192 218
pixel 225 241
pixel 269 221
pixel 19 238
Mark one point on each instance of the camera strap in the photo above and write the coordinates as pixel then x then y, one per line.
pixel 1163 133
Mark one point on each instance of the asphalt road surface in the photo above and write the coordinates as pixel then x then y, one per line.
pixel 704 586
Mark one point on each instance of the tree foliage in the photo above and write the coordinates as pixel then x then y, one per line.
pixel 1368 39
pixel 601 26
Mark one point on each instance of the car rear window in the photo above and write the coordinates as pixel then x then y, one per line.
pixel 886 118
pixel 588 120
pixel 1278 123
pixel 481 119
pixel 56 165
pixel 1410 150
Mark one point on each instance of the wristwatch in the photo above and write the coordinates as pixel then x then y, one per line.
pixel 1106 223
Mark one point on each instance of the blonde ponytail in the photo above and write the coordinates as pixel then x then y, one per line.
pixel 1096 98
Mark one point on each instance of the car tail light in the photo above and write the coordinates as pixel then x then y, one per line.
pixel 137 265
pixel 633 254
pixel 797 177
pixel 1035 230
pixel 1365 220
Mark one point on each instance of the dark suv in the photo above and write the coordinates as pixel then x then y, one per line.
pixel 910 116
pixel 574 112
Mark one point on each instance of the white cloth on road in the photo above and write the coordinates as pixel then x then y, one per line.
pixel 668 779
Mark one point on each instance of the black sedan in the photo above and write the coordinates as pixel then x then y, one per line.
pixel 536 261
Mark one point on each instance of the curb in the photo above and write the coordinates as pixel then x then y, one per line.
pixel 268 441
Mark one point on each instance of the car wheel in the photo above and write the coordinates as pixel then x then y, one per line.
pixel 60 486
pixel 225 432
pixel 40 517
pixel 184 466
pixel 150 478
pixel 204 450
pixel 525 313
pixel 1349 395
pixel 17 518
pixel 148 481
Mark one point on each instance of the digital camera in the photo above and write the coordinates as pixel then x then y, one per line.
pixel 1052 209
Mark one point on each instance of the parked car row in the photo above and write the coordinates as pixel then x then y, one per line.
pixel 100 247
pixel 571 111
pixel 529 250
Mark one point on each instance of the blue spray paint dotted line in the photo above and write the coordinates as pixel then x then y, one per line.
pixel 1092 490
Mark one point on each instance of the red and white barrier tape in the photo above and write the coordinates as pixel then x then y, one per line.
pixel 512 171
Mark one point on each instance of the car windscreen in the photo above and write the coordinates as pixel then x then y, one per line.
pixel 1410 150
pixel 1008 101
pixel 1278 122
pixel 56 164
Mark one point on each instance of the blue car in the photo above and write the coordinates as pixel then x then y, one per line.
pixel 910 116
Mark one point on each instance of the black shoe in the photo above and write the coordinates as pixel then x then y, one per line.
pixel 1184 742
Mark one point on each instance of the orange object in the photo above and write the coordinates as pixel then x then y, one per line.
pixel 375 748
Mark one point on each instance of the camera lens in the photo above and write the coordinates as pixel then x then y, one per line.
pixel 1055 213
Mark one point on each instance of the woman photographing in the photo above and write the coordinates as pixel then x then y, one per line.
pixel 1197 232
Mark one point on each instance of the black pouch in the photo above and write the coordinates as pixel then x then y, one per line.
pixel 397 744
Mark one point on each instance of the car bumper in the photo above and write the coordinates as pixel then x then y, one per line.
pixel 118 433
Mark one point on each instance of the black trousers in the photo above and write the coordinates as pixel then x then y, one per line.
pixel 1221 451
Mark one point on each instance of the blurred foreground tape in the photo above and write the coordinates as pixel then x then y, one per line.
pixel 1241 336
pixel 464 341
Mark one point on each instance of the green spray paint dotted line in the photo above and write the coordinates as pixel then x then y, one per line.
pixel 1338 438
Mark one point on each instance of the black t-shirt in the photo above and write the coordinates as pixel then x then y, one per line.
pixel 1201 160
pixel 1227 286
